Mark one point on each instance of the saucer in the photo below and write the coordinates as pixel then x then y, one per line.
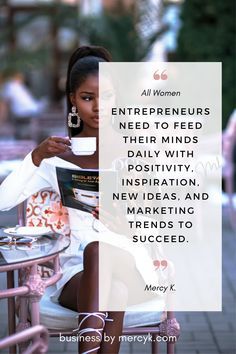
pixel 83 153
pixel 33 231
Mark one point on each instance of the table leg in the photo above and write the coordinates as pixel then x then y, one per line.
pixel 36 291
pixel 11 309
pixel 23 321
pixel 34 304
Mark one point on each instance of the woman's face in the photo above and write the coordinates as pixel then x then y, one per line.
pixel 85 99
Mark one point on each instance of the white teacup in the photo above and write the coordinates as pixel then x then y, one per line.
pixel 83 146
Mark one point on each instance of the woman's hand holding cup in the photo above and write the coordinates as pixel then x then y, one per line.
pixel 50 147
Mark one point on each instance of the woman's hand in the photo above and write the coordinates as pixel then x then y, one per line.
pixel 114 220
pixel 50 147
pixel 95 213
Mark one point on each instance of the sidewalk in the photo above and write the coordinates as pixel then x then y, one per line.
pixel 201 332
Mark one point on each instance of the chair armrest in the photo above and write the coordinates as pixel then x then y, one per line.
pixel 39 346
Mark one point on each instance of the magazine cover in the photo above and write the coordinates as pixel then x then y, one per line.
pixel 78 188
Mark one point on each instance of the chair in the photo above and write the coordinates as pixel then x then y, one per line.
pixel 38 334
pixel 45 209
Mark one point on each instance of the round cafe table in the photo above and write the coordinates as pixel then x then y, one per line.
pixel 25 258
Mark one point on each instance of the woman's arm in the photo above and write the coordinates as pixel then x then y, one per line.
pixel 27 179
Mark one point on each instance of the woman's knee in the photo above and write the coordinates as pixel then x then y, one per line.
pixel 91 255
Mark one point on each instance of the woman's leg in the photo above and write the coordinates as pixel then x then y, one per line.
pixel 123 269
pixel 113 329
pixel 112 332
pixel 81 294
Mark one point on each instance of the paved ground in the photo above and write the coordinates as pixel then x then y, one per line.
pixel 202 332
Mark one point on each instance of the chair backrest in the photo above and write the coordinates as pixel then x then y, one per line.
pixel 44 208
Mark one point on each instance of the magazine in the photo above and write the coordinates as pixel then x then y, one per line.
pixel 79 189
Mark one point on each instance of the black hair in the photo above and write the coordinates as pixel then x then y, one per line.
pixel 84 61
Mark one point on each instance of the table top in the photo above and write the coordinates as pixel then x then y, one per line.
pixel 43 246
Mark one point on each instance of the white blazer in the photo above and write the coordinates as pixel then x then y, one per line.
pixel 28 179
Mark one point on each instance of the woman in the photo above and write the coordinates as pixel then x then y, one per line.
pixel 78 288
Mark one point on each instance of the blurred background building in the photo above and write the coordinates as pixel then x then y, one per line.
pixel 37 37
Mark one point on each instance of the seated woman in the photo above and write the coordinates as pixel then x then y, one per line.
pixel 78 287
